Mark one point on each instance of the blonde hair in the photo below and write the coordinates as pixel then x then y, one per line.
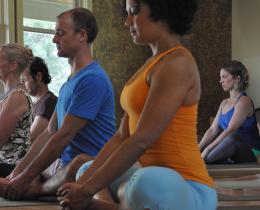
pixel 21 55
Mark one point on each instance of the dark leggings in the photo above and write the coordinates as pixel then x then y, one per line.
pixel 6 169
pixel 232 148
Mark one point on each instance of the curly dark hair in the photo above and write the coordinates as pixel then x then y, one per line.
pixel 39 65
pixel 178 14
pixel 236 68
pixel 83 19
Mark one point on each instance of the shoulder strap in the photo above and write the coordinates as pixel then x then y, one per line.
pixel 242 94
pixel 161 55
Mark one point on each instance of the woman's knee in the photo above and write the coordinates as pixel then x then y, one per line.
pixel 83 167
pixel 76 164
pixel 122 197
pixel 146 189
pixel 230 139
pixel 212 156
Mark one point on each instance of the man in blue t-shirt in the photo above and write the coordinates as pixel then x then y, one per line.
pixel 83 120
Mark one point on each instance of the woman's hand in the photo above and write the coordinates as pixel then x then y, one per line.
pixel 73 196
pixel 205 152
pixel 17 187
pixel 4 186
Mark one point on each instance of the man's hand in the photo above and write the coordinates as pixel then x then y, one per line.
pixel 73 196
pixel 12 175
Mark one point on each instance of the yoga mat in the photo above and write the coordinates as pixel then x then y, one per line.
pixel 39 202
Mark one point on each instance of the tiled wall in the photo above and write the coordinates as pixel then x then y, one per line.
pixel 211 46
pixel 114 48
pixel 210 43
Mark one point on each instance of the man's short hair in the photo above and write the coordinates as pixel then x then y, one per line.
pixel 83 19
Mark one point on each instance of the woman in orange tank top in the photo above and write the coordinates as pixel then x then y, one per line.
pixel 159 125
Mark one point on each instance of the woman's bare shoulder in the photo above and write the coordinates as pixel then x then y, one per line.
pixel 17 97
pixel 245 101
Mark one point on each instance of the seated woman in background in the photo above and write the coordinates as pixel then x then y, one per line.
pixel 233 136
pixel 15 107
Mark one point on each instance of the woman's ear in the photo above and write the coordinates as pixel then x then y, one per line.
pixel 13 66
pixel 238 78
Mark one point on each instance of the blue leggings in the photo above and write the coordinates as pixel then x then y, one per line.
pixel 232 149
pixel 160 188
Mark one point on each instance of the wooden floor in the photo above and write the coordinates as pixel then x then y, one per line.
pixel 41 207
pixel 222 205
pixel 238 205
pixel 238 186
pixel 47 203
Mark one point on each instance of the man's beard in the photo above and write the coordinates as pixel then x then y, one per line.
pixel 34 89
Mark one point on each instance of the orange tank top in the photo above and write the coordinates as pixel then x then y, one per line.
pixel 177 146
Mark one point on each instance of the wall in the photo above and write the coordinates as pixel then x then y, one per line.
pixel 113 47
pixel 211 46
pixel 246 41
pixel 210 42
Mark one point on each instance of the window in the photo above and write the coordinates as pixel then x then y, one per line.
pixel 38 30
pixel 1 22
pixel 32 22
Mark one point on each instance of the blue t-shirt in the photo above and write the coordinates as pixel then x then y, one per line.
pixel 88 95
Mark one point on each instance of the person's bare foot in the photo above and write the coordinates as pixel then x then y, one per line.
pixel 34 191
pixel 102 205
pixel 4 185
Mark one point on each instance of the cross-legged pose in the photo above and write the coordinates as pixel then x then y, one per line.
pixel 36 79
pixel 159 125
pixel 15 107
pixel 83 119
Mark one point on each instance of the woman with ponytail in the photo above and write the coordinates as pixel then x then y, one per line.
pixel 233 136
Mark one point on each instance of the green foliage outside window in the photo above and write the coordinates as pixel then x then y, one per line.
pixel 42 46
